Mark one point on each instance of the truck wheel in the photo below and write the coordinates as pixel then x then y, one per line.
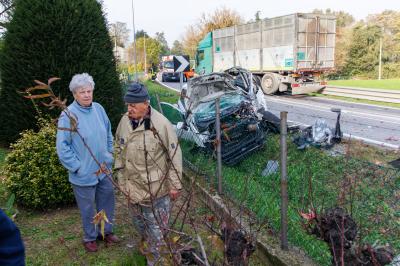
pixel 162 79
pixel 270 83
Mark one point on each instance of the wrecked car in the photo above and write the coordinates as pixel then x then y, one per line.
pixel 243 113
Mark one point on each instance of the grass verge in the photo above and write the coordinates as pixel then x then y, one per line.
pixel 387 84
pixel 54 237
pixel 354 100
pixel 316 179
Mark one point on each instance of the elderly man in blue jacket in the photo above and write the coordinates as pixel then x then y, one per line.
pixel 93 190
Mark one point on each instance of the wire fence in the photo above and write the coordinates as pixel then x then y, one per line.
pixel 318 180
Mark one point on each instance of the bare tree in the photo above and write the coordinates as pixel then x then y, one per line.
pixel 119 33
pixel 191 40
pixel 160 37
pixel 6 7
pixel 220 18
pixel 177 48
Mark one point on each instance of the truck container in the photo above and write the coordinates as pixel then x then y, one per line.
pixel 288 53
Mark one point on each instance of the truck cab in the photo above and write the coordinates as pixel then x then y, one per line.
pixel 204 55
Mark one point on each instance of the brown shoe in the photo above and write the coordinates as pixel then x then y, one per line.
pixel 90 246
pixel 111 238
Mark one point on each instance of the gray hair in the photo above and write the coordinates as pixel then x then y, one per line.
pixel 80 81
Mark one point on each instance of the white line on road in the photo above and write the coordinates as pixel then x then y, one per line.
pixel 165 85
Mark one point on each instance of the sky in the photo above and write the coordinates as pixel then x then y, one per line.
pixel 173 16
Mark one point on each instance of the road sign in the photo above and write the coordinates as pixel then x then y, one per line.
pixel 181 63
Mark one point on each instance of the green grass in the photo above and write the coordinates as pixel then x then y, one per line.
pixel 317 178
pixel 354 100
pixel 387 84
pixel 373 204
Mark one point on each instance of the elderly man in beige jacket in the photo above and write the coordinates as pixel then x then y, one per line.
pixel 149 161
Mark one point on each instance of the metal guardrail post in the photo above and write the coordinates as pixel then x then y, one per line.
pixel 284 182
pixel 218 142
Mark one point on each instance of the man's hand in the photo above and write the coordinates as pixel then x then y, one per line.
pixel 103 169
pixel 174 194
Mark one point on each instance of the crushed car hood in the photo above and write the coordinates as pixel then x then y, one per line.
pixel 208 88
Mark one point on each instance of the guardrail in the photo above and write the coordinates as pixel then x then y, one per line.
pixel 390 96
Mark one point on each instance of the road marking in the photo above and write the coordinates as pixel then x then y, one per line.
pixel 168 87
pixel 372 141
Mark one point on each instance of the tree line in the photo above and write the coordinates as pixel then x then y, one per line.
pixel 357 42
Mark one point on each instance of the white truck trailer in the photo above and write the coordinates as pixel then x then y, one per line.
pixel 288 53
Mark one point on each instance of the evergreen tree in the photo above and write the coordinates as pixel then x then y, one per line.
pixel 48 38
pixel 363 51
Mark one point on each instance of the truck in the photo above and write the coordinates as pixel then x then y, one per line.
pixel 286 53
pixel 167 70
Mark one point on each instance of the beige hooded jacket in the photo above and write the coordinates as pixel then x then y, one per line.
pixel 155 176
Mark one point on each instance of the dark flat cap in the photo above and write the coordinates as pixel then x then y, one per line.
pixel 136 93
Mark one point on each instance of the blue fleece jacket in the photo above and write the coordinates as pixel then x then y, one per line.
pixel 12 250
pixel 95 128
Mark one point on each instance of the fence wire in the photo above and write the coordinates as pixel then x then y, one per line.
pixel 317 180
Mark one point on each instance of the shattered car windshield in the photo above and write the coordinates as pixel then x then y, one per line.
pixel 206 110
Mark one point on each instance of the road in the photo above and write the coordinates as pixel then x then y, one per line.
pixel 370 123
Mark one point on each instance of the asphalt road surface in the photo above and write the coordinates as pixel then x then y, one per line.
pixel 370 123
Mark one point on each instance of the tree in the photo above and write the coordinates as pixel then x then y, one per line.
pixel 191 39
pixel 177 48
pixel 160 37
pixel 6 7
pixel 153 52
pixel 220 18
pixel 257 15
pixel 119 33
pixel 48 38
pixel 389 23
pixel 363 51
pixel 140 34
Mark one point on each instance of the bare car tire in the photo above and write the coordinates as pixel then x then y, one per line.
pixel 270 83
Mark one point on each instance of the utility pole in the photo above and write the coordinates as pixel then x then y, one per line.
pixel 115 42
pixel 380 56
pixel 134 42
pixel 145 55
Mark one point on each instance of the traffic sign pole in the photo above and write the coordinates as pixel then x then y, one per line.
pixel 181 79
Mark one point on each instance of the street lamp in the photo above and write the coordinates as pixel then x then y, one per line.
pixel 134 42
pixel 145 54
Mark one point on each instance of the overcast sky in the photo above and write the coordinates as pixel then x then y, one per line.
pixel 173 16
